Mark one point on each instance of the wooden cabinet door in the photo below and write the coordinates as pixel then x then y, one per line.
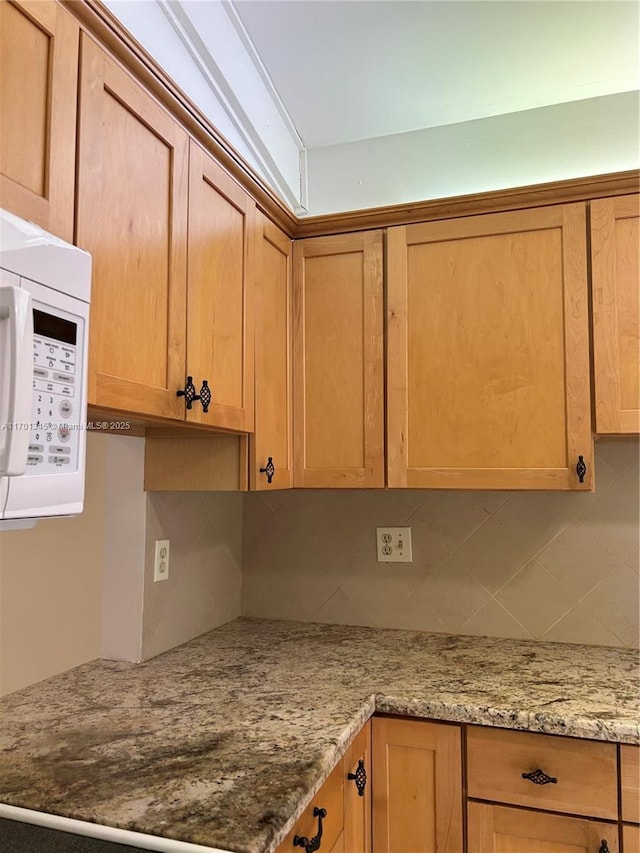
pixel 357 805
pixel 417 787
pixel 330 800
pixel 615 265
pixel 222 245
pixel 38 94
pixel 488 352
pixel 498 829
pixel 630 839
pixel 338 361
pixel 630 782
pixel 273 438
pixel 132 218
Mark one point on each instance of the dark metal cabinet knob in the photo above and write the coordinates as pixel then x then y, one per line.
pixel 269 469
pixel 359 777
pixel 581 468
pixel 310 845
pixel 539 777
pixel 189 393
pixel 604 847
pixel 205 396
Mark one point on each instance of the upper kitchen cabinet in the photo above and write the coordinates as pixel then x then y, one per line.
pixel 338 361
pixel 132 218
pixel 223 240
pixel 615 249
pixel 38 93
pixel 272 444
pixel 488 352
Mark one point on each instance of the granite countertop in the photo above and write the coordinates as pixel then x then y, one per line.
pixel 224 740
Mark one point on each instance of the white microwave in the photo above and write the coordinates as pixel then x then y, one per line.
pixel 45 287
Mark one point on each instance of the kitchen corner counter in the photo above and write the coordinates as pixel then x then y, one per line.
pixel 223 741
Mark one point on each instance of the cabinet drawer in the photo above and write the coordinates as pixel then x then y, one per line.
pixel 330 798
pixel 586 772
pixel 498 829
pixel 630 783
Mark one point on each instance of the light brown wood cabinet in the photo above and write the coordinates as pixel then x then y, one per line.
pixel 132 218
pixel 615 263
pixel 496 829
pixel 357 771
pixel 488 352
pixel 338 361
pixel 222 244
pixel 273 436
pixel 630 783
pixel 630 838
pixel 417 787
pixel 585 771
pixel 543 774
pixel 346 818
pixel 38 96
pixel 173 243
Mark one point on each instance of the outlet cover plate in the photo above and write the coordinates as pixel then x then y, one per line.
pixel 394 544
pixel 161 560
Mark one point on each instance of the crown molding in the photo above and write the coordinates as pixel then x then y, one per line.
pixel 215 79
pixel 101 24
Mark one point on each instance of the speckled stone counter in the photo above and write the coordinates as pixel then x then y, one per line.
pixel 224 740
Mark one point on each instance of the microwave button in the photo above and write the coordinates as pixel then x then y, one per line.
pixel 39 372
pixel 64 433
pixel 62 377
pixel 36 448
pixel 59 460
pixel 33 459
pixel 65 408
pixel 59 451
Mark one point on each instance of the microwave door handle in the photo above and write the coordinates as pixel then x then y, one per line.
pixel 15 306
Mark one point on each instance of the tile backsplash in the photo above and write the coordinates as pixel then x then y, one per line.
pixel 542 565
pixel 203 588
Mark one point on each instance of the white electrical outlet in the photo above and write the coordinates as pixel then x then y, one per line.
pixel 394 544
pixel 161 560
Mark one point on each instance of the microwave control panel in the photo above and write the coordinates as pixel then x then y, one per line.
pixel 57 365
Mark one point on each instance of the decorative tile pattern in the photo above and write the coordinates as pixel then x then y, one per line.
pixel 561 566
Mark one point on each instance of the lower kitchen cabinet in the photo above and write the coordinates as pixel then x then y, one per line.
pixel 340 813
pixel 630 839
pixel 546 772
pixel 323 817
pixel 499 829
pixel 417 787
pixel 630 783
pixel 357 793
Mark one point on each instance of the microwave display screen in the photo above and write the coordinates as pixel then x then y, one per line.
pixel 54 327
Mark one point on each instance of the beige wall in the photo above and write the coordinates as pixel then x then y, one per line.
pixel 550 566
pixel 50 587
pixel 205 572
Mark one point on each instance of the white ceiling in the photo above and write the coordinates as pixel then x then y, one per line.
pixel 356 69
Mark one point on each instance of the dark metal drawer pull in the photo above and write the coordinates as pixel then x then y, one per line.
pixel 604 847
pixel 359 777
pixel 538 777
pixel 311 844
